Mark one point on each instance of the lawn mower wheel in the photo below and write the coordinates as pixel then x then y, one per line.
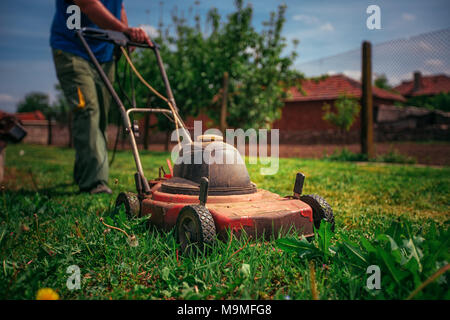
pixel 195 227
pixel 131 202
pixel 321 209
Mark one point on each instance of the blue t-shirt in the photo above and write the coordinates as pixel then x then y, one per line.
pixel 65 39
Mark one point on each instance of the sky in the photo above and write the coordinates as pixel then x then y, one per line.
pixel 325 28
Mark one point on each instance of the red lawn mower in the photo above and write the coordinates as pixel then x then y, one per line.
pixel 204 201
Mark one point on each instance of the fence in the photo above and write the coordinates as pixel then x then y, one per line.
pixel 428 53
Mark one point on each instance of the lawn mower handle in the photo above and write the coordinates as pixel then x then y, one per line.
pixel 116 37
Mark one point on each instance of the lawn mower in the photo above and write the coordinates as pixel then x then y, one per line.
pixel 204 201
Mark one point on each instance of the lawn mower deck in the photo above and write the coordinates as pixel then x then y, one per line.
pixel 258 214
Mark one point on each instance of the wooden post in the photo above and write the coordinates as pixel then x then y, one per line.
pixel 223 110
pixel 367 146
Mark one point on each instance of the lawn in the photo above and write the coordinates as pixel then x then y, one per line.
pixel 396 215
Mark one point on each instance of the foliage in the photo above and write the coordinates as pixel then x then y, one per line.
pixel 440 101
pixel 35 101
pixel 345 155
pixel 321 248
pixel 35 251
pixel 196 61
pixel 382 83
pixel 406 260
pixel 58 110
pixel 393 156
pixel 347 110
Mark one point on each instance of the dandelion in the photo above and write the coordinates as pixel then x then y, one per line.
pixel 133 241
pixel 47 294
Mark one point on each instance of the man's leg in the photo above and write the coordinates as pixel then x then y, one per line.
pixel 77 79
pixel 104 97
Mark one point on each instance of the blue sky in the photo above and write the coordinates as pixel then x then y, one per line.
pixel 324 28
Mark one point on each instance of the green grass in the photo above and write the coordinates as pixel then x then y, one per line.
pixel 47 226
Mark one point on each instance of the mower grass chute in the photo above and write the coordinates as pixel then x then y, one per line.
pixel 204 201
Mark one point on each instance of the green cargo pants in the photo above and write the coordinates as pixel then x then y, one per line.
pixel 90 102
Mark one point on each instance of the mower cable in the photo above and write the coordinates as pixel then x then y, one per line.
pixel 124 94
pixel 159 95
pixel 115 228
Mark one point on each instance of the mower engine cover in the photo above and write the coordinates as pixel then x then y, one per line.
pixel 218 161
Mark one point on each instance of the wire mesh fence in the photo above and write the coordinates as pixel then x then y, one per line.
pixel 428 53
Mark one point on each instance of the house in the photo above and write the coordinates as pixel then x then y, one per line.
pixel 30 116
pixel 424 85
pixel 302 116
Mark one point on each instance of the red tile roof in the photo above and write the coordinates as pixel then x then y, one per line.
pixel 35 115
pixel 331 87
pixel 429 85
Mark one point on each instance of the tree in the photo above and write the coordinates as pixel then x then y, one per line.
pixel 196 61
pixel 382 83
pixel 35 101
pixel 347 109
pixel 440 101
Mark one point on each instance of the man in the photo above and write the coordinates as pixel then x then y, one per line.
pixel 82 86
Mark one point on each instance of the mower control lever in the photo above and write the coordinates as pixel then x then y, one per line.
pixel 116 37
pixel 298 186
pixel 203 194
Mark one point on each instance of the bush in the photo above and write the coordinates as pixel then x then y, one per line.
pixel 393 156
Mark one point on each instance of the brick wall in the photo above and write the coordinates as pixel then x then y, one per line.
pixel 301 123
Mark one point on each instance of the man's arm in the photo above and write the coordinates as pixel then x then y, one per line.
pixel 123 16
pixel 101 16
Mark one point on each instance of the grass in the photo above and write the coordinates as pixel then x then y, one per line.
pixel 46 226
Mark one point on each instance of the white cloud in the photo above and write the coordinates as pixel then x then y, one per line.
pixel 425 46
pixel 327 27
pixel 408 17
pixel 313 23
pixel 434 62
pixel 7 98
pixel 310 20
pixel 354 74
pixel 151 31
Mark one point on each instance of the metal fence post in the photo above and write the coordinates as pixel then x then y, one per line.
pixel 367 146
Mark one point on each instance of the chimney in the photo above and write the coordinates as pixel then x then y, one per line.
pixel 417 80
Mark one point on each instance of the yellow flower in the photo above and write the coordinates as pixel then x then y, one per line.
pixel 47 294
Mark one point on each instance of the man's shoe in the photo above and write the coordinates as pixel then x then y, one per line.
pixel 101 188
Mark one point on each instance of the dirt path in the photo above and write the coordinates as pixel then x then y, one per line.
pixel 424 153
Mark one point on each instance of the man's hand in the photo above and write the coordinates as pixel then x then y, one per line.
pixel 138 35
pixel 98 14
